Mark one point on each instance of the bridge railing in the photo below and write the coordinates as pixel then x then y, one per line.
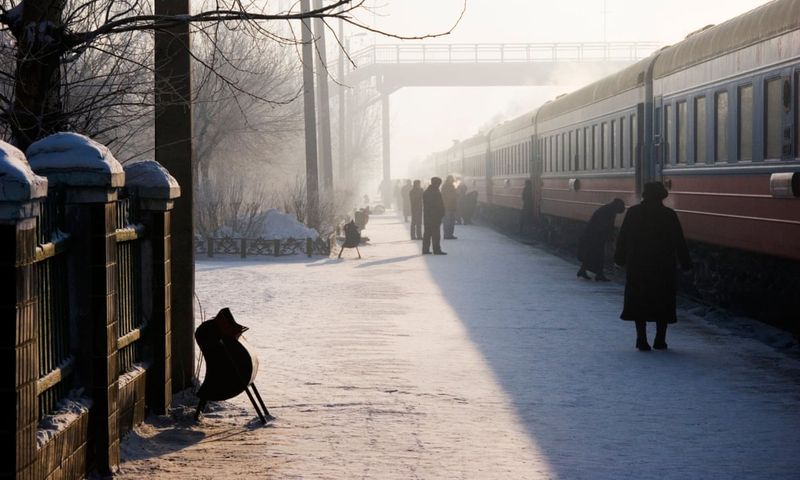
pixel 428 53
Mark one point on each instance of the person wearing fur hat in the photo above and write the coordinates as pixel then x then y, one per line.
pixel 649 245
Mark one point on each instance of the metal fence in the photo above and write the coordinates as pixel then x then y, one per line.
pixel 50 278
pixel 249 247
pixel 129 284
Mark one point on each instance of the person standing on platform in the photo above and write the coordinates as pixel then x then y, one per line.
pixel 450 198
pixel 404 198
pixel 461 190
pixel 650 241
pixel 433 210
pixel 592 243
pixel 526 214
pixel 415 204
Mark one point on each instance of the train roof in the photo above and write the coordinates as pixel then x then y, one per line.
pixel 515 124
pixel 764 22
pixel 624 80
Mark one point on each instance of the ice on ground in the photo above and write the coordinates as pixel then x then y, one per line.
pixel 493 362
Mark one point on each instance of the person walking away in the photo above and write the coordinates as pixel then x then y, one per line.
pixel 649 243
pixel 461 191
pixel 470 203
pixel 406 200
pixel 592 243
pixel 433 210
pixel 526 214
pixel 415 204
pixel 450 198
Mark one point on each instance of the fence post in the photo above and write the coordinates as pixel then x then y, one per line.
pixel 210 247
pixel 156 190
pixel 243 248
pixel 309 247
pixel 21 192
pixel 91 177
pixel 276 247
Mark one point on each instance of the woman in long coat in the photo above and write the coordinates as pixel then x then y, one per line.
pixel 649 243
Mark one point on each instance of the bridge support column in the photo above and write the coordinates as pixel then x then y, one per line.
pixel 386 192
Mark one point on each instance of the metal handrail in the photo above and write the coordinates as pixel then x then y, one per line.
pixel 428 53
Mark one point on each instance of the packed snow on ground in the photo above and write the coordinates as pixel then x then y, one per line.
pixel 493 362
pixel 67 411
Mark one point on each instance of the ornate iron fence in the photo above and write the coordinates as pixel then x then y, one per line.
pixel 249 247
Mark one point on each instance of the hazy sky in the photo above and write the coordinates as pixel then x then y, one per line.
pixel 428 119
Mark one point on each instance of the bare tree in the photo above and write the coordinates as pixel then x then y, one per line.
pixel 44 36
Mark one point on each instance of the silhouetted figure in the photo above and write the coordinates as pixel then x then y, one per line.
pixel 397 198
pixel 461 191
pixel 592 244
pixel 366 199
pixel 450 198
pixel 406 201
pixel 470 203
pixel 433 208
pixel 526 214
pixel 650 241
pixel 352 237
pixel 415 202
pixel 385 191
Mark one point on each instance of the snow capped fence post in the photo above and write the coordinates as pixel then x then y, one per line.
pixel 21 193
pixel 156 191
pixel 90 178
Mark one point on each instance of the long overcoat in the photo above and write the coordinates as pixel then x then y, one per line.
pixel 450 197
pixel 406 200
pixel 432 206
pixel 649 244
pixel 415 202
pixel 592 242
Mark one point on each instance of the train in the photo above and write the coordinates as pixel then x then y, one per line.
pixel 715 118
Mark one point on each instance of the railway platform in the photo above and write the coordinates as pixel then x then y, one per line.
pixel 493 362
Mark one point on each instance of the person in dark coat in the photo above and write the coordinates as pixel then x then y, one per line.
pixel 406 200
pixel 650 241
pixel 470 203
pixel 450 197
pixel 461 191
pixel 433 209
pixel 415 202
pixel 592 243
pixel 526 214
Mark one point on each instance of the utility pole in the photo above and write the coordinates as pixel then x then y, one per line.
pixel 342 138
pixel 312 180
pixel 325 153
pixel 173 143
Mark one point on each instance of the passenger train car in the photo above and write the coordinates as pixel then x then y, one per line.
pixel 716 118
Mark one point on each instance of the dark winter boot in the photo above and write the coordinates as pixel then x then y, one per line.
pixel 641 337
pixel 660 342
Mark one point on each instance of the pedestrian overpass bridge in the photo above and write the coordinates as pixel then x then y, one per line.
pixel 377 71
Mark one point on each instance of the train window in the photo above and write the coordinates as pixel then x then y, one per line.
pixel 773 141
pixel 634 141
pixel 721 127
pixel 569 151
pixel 596 148
pixel 605 146
pixel 667 133
pixel 624 146
pixel 612 148
pixel 700 130
pixel 582 148
pixel 745 121
pixel 562 156
pixel 680 141
pixel 576 151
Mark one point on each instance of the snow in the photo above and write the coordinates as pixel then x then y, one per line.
pixel 151 180
pixel 18 183
pixel 493 362
pixel 67 412
pixel 74 159
pixel 279 225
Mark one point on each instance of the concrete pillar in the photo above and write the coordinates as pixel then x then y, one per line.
pixel 156 191
pixel 323 100
pixel 173 138
pixel 312 176
pixel 21 193
pixel 387 166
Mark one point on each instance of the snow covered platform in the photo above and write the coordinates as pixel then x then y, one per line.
pixel 493 362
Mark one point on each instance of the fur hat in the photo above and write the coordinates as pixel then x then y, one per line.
pixel 654 191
